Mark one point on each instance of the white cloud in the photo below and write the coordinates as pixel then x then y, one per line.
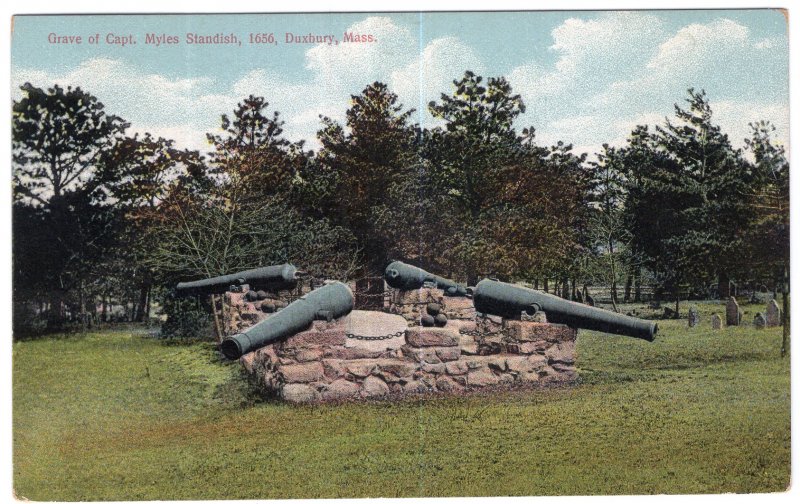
pixel 624 69
pixel 432 73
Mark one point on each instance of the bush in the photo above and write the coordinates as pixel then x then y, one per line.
pixel 186 318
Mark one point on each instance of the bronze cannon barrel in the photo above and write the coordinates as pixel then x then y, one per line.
pixel 406 277
pixel 328 302
pixel 509 301
pixel 271 278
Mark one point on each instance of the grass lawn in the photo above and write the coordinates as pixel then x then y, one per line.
pixel 117 416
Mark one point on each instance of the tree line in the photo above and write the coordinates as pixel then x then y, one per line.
pixel 103 218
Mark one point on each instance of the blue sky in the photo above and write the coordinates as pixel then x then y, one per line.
pixel 586 77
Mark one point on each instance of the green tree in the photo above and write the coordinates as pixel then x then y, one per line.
pixel 362 161
pixel 768 197
pixel 58 137
pixel 684 202
pixel 609 234
pixel 58 140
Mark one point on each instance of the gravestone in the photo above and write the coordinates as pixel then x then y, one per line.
pixel 773 314
pixel 733 315
pixel 694 316
pixel 760 321
pixel 716 322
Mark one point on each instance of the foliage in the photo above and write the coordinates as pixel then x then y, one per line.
pixel 58 137
pixel 187 318
pixel 508 222
pixel 103 217
pixel 364 160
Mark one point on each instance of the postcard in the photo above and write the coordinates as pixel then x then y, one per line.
pixel 400 254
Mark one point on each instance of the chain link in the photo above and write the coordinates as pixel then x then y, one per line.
pixel 375 338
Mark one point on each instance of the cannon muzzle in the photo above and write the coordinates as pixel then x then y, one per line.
pixel 509 301
pixel 406 277
pixel 270 278
pixel 329 302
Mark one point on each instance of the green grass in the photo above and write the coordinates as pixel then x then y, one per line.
pixel 115 416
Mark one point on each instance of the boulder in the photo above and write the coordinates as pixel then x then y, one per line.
pixel 431 337
pixel 298 393
pixel 341 389
pixel 375 387
pixel 302 373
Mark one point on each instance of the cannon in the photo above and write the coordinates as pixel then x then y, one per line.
pixel 509 301
pixel 268 278
pixel 406 277
pixel 326 303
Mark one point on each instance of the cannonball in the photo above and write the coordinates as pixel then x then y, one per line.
pixel 433 309
pixel 427 321
pixel 440 320
pixel 251 296
pixel 268 306
pixel 261 294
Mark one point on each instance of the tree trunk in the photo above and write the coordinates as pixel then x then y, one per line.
pixel 785 304
pixel 677 302
pixel 141 308
pixel 628 283
pixel 81 305
pixel 546 286
pixel 637 292
pixel 217 327
pixel 723 285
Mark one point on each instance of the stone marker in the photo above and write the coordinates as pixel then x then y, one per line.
pixel 716 322
pixel 773 314
pixel 694 316
pixel 732 314
pixel 760 321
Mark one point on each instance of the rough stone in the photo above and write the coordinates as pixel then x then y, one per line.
pixel 760 321
pixel 302 373
pixel 468 345
pixel 534 331
pixel 456 368
pixel 431 337
pixel 561 352
pixel 415 386
pixel 446 384
pixel 314 338
pixel 474 362
pixel 538 362
pixel 527 347
pixel 308 355
pixel 490 345
pixel 482 377
pixel 298 393
pixel 433 368
pixel 421 354
pixel 355 353
pixel 340 389
pixel 446 354
pixel 375 387
pixel 519 364
pixel 716 321
pixel 732 313
pixel 400 369
pixel 334 368
pixel 773 314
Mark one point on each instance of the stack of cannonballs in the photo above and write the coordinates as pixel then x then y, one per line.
pixel 433 316
pixel 267 305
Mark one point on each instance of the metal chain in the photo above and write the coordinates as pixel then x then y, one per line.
pixel 375 338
